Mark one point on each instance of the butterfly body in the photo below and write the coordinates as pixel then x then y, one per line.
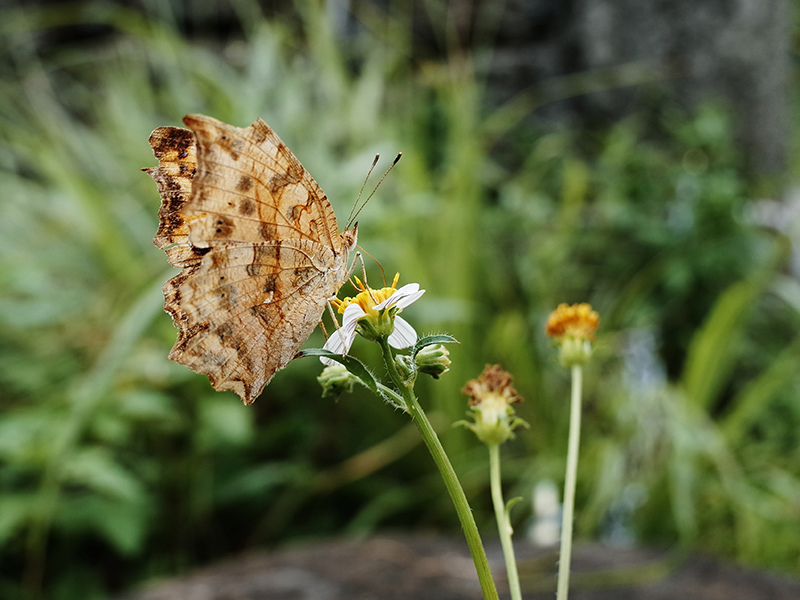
pixel 258 243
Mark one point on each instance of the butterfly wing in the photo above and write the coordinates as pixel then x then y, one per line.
pixel 267 251
pixel 177 157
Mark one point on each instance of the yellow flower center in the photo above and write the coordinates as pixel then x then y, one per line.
pixel 367 298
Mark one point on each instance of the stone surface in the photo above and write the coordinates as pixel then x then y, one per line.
pixel 436 568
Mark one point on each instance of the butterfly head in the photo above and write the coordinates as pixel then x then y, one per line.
pixel 350 237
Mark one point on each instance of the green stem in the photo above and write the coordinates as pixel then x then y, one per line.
pixel 569 485
pixel 503 522
pixel 395 400
pixel 448 474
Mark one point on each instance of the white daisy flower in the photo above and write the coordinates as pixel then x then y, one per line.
pixel 373 313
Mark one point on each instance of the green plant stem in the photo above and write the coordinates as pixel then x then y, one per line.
pixel 395 399
pixel 448 474
pixel 503 522
pixel 565 556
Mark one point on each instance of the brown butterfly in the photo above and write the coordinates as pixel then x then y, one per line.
pixel 258 243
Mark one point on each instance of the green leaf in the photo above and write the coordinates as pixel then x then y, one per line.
pixel 15 510
pixel 148 406
pixel 355 366
pixel 428 340
pixel 122 524
pixel 223 423
pixel 716 346
pixel 258 482
pixel 752 400
pixel 21 433
pixel 97 469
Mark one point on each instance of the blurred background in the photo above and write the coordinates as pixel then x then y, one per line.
pixel 640 156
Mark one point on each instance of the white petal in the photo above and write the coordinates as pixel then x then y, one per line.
pixel 409 299
pixel 351 315
pixel 402 297
pixel 334 344
pixel 342 338
pixel 403 335
pixel 409 288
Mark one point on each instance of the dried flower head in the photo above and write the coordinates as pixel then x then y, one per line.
pixel 490 400
pixel 494 381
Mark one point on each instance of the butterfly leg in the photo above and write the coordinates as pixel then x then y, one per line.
pixel 360 258
pixel 363 268
pixel 335 322
pixel 322 326
pixel 352 268
pixel 333 318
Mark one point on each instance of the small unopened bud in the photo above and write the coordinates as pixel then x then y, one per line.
pixel 405 367
pixel 433 360
pixel 336 380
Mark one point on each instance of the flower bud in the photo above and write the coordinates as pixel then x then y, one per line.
pixel 433 360
pixel 405 367
pixel 336 380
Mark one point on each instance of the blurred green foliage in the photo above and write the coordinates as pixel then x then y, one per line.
pixel 117 465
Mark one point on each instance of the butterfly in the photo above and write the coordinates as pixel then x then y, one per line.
pixel 258 244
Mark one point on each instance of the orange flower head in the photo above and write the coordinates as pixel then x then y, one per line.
pixel 573 328
pixel 577 321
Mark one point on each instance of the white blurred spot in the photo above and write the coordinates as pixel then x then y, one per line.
pixel 546 528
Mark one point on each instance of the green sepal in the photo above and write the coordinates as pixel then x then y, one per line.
pixel 439 338
pixel 355 366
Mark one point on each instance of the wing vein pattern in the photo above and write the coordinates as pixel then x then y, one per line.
pixel 258 244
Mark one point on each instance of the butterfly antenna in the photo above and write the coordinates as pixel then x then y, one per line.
pixel 352 216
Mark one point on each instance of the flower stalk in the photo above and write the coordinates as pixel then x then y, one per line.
pixel 573 330
pixel 447 472
pixel 503 522
pixel 373 314
pixel 565 556
pixel 491 397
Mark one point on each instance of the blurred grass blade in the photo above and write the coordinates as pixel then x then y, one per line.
pixel 715 347
pixel 748 405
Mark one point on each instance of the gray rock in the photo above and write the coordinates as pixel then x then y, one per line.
pixel 437 568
